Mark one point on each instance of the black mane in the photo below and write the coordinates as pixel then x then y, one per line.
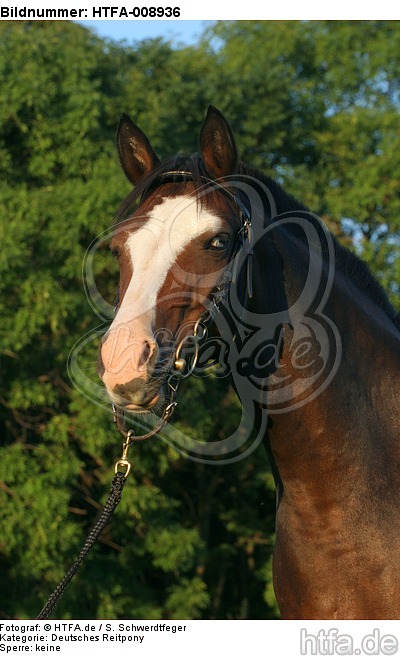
pixel 345 260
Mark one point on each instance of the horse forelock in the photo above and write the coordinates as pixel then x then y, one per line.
pixel 194 166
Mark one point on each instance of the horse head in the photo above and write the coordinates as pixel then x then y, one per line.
pixel 173 250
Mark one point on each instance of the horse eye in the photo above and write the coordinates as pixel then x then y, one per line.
pixel 115 252
pixel 219 243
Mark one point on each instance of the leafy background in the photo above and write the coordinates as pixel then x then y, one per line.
pixel 316 105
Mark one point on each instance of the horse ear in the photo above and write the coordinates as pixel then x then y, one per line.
pixel 135 152
pixel 217 145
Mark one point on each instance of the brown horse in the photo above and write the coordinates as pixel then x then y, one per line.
pixel 315 347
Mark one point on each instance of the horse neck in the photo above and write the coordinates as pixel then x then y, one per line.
pixel 345 418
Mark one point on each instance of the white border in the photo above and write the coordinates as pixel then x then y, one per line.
pixel 211 10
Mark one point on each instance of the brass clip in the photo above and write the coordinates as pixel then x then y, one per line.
pixel 123 462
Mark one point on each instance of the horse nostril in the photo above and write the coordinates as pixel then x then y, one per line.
pixel 146 354
pixel 124 355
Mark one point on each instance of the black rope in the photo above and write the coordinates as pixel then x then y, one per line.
pixel 112 502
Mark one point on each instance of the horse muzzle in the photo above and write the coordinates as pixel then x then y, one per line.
pixel 127 366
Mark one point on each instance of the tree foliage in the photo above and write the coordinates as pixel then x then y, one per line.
pixel 316 105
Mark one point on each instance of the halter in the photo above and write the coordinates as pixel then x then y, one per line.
pixel 181 370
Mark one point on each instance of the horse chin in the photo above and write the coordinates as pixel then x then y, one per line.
pixel 155 405
pixel 144 409
pixel 150 399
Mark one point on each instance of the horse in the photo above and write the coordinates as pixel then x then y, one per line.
pixel 315 338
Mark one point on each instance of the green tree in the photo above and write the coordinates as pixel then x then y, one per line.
pixel 316 105
pixel 61 184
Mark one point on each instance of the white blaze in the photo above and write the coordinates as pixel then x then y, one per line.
pixel 154 248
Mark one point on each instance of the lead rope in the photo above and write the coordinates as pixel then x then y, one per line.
pixel 123 466
pixel 112 502
pixel 122 471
